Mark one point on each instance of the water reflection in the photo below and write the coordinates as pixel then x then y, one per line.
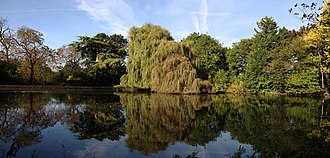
pixel 100 120
pixel 138 125
pixel 22 126
pixel 155 121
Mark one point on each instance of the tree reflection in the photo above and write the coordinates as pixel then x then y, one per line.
pixel 103 118
pixel 279 127
pixel 22 124
pixel 155 121
pixel 274 126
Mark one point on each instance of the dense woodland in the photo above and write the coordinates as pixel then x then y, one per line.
pixel 274 60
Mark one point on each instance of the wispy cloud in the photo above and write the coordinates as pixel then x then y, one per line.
pixel 196 23
pixel 115 15
pixel 180 17
pixel 200 18
pixel 36 10
pixel 204 9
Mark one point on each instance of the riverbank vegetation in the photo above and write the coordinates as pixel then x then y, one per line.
pixel 274 60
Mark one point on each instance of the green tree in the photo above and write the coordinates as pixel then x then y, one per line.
pixel 104 57
pixel 144 42
pixel 8 72
pixel 264 41
pixel 221 80
pixel 237 57
pixel 208 55
pixel 157 62
pixel 91 47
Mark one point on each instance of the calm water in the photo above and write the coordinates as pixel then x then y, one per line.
pixel 140 125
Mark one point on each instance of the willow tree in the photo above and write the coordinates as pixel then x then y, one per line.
pixel 157 62
pixel 143 43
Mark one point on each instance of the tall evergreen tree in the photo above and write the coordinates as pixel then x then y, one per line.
pixel 264 41
pixel 104 57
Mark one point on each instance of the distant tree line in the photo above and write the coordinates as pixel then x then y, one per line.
pixel 25 59
pixel 274 60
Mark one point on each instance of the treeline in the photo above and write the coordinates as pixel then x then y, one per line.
pixel 274 60
pixel 280 60
pixel 25 59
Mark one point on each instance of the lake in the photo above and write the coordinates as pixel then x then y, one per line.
pixel 158 125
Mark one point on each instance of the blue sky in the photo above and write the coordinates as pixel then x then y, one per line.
pixel 61 21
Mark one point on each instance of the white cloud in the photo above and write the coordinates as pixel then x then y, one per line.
pixel 104 148
pixel 180 17
pixel 196 23
pixel 199 18
pixel 115 15
pixel 204 9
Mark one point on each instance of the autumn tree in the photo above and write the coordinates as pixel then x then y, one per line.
pixel 68 62
pixel 32 50
pixel 318 42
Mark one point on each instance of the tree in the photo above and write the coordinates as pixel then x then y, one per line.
pixel 264 41
pixel 208 55
pixel 237 57
pixel 309 12
pixel 157 62
pixel 144 42
pixel 91 47
pixel 69 63
pixel 32 49
pixel 318 41
pixel 6 39
pixel 103 56
pixel 68 55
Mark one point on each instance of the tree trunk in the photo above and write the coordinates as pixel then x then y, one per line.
pixel 7 54
pixel 31 73
pixel 322 79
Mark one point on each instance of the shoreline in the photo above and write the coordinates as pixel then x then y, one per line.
pixel 55 88
pixel 111 89
pixel 74 89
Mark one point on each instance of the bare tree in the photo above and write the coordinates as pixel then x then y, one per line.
pixel 309 13
pixel 70 57
pixel 6 38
